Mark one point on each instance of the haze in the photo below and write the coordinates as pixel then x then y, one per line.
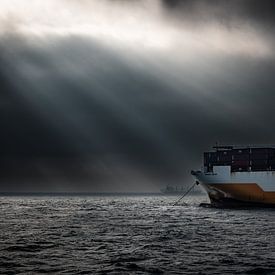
pixel 105 96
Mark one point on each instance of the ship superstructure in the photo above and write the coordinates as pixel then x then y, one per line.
pixel 239 176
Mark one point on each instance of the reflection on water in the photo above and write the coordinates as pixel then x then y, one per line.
pixel 138 234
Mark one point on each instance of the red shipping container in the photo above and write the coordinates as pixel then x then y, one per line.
pixel 240 162
pixel 241 157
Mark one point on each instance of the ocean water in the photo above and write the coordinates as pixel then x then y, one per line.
pixel 132 235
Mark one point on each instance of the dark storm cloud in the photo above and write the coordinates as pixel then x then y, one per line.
pixel 261 12
pixel 77 116
pixel 77 108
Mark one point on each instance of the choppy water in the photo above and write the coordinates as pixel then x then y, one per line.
pixel 138 235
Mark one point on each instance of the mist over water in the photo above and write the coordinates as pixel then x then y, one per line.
pixel 132 234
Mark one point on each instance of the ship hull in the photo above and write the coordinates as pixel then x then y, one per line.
pixel 238 189
pixel 239 204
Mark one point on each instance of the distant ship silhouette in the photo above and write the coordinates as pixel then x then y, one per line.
pixel 169 189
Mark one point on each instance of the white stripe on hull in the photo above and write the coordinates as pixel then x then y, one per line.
pixel 223 175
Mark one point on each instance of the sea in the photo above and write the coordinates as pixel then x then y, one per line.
pixel 133 234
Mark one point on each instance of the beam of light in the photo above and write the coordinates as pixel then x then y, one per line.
pixel 136 24
pixel 185 61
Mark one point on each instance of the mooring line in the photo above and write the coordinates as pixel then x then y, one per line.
pixel 186 193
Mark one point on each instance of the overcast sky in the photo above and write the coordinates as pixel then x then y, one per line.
pixel 117 95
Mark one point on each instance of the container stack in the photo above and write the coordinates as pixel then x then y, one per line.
pixel 241 159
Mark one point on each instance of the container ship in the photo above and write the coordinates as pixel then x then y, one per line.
pixel 239 176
